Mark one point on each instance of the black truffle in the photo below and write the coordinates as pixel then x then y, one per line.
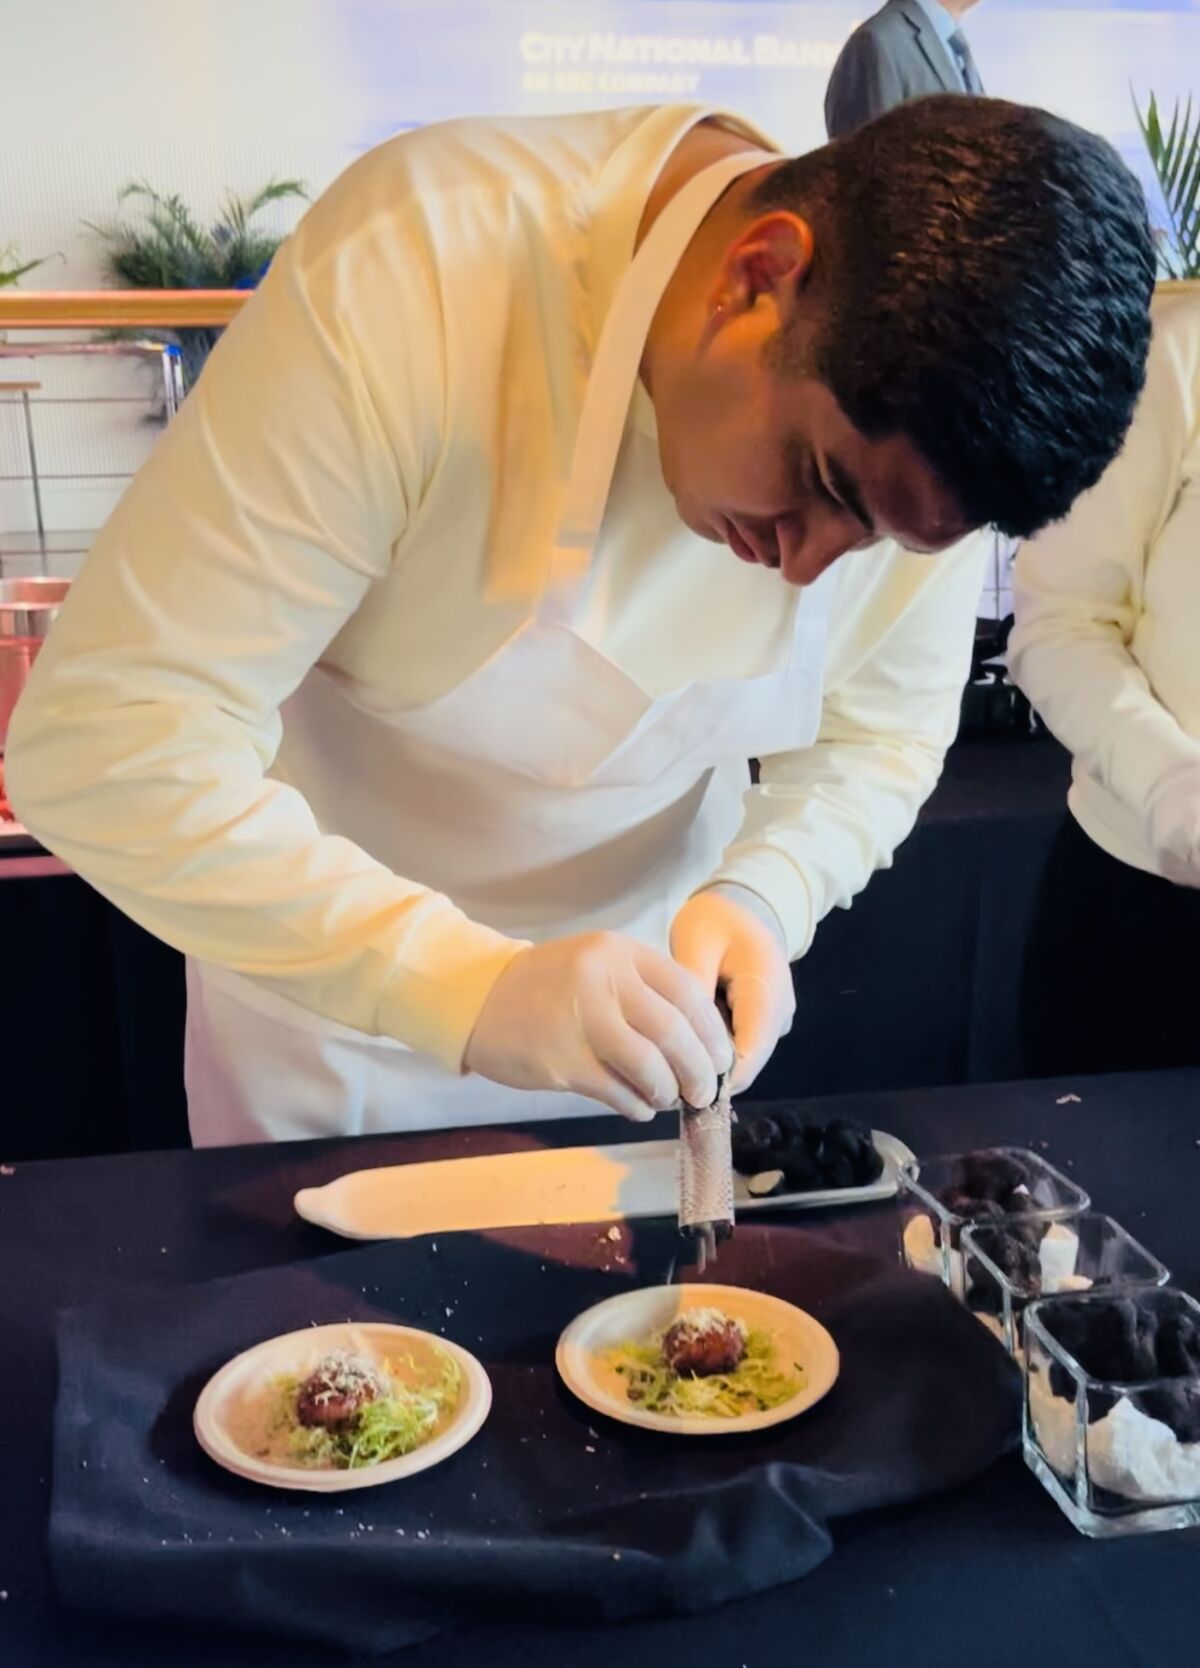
pixel 992 1175
pixel 801 1172
pixel 1177 1345
pixel 1125 1340
pixel 812 1154
pixel 1176 1405
pixel 755 1142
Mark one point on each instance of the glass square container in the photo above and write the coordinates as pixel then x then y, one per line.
pixel 1120 1458
pixel 1007 1265
pixel 931 1228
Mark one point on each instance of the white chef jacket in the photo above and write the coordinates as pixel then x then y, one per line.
pixel 363 487
pixel 1107 637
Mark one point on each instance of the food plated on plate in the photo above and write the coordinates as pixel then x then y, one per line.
pixel 707 1365
pixel 352 1410
pixel 697 1359
pixel 342 1406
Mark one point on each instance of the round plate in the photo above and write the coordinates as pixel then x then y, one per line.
pixel 224 1398
pixel 634 1315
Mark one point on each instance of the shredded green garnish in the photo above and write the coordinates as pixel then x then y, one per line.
pixel 384 1429
pixel 755 1385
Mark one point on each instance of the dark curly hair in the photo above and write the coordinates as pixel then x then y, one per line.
pixel 985 273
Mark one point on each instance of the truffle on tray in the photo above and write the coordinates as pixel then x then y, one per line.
pixel 806 1154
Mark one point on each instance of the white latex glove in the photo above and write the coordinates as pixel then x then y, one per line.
pixel 727 935
pixel 1174 825
pixel 603 1016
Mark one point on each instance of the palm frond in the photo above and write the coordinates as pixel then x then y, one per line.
pixel 274 191
pixel 1175 157
pixel 162 245
pixel 166 247
pixel 13 274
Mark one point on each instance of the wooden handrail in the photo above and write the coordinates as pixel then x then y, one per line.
pixel 171 309
pixel 118 309
pixel 166 309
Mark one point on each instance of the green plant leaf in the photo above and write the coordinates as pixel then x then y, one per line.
pixel 1176 163
pixel 13 274
pixel 1185 195
pixel 10 275
pixel 1172 156
pixel 273 192
pixel 156 242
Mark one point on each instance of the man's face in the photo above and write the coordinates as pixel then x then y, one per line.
pixel 762 458
pixel 770 465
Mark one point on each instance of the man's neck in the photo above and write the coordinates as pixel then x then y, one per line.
pixel 708 142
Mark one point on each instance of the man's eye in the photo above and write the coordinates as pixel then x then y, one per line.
pixel 823 491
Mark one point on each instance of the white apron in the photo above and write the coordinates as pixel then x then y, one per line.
pixel 547 794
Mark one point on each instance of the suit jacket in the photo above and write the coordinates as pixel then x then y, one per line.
pixel 891 58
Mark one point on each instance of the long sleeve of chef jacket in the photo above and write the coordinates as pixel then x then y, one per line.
pixel 1107 637
pixel 823 819
pixel 271 505
pixel 366 478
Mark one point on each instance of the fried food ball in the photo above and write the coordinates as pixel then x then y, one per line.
pixel 704 1342
pixel 336 1391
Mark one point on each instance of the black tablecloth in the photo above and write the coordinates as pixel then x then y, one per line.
pixel 917 984
pixel 987 1573
pixel 550 1507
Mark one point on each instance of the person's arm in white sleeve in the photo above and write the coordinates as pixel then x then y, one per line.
pixel 140 749
pixel 1078 595
pixel 823 819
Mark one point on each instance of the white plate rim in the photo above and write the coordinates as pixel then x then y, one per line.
pixel 580 1385
pixel 474 1408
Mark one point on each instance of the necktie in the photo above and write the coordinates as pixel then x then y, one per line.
pixel 966 63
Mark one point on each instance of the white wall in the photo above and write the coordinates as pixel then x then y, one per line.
pixel 97 93
pixel 192 97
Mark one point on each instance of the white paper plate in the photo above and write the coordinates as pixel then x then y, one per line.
pixel 543 1187
pixel 216 1418
pixel 581 1363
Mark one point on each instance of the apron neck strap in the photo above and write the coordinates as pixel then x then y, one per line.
pixel 615 368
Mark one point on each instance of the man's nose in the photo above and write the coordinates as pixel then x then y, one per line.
pixel 806 550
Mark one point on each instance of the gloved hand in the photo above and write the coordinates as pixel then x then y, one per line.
pixel 604 1016
pixel 727 935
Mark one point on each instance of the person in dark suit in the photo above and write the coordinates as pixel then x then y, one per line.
pixel 908 49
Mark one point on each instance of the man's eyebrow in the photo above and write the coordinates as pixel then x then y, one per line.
pixel 846 490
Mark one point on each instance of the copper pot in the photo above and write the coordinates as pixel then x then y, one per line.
pixel 28 608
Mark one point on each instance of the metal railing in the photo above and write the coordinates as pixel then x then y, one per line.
pixel 79 447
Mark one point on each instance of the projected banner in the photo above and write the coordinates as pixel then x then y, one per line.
pixel 417 61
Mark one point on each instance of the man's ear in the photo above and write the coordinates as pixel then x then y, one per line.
pixel 772 256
